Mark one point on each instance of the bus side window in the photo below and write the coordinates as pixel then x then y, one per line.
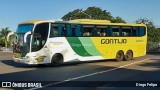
pixel 109 29
pixel 141 31
pixel 88 30
pixel 61 30
pixel 73 30
pixel 135 31
pixel 78 30
pixel 54 31
pixel 102 30
pixel 126 31
pixel 115 31
pixel 69 30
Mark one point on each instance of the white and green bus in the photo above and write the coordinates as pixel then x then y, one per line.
pixel 55 42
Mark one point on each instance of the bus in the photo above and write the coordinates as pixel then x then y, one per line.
pixel 56 42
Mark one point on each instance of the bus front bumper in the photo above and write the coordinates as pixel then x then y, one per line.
pixel 25 61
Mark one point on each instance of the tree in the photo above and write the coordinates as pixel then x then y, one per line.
pixel 91 13
pixel 150 25
pixel 2 43
pixel 153 32
pixel 118 20
pixel 4 32
pixel 154 36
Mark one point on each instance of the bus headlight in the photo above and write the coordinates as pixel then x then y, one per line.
pixel 41 58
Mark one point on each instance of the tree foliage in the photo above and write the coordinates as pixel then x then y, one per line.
pixel 150 25
pixel 91 13
pixel 4 32
pixel 118 20
pixel 153 32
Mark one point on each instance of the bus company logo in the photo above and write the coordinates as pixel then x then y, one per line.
pixel 6 84
pixel 139 40
pixel 113 41
pixel 56 43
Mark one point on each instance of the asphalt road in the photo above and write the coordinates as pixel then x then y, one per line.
pixel 87 75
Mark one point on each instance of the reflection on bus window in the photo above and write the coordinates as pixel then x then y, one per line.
pixel 88 30
pixel 126 31
pixel 115 31
pixel 54 30
pixel 40 36
pixel 135 31
pixel 63 31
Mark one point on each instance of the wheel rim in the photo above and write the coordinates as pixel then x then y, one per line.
pixel 129 55
pixel 56 60
pixel 119 55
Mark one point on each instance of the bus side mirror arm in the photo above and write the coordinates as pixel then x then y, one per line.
pixel 9 34
pixel 25 36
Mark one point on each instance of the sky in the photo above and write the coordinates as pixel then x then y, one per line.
pixel 13 12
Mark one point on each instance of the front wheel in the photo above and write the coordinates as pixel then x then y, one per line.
pixel 119 56
pixel 57 59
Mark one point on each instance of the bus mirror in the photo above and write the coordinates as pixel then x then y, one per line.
pixel 9 34
pixel 16 39
pixel 25 36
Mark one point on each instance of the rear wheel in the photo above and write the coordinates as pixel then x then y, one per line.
pixel 57 59
pixel 119 56
pixel 129 55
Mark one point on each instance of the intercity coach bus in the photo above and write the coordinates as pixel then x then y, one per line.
pixel 55 42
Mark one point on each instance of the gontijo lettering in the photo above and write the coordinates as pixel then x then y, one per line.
pixel 113 41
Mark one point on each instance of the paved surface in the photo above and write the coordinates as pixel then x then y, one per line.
pixel 139 69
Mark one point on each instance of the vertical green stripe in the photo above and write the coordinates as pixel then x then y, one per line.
pixel 76 45
pixel 89 46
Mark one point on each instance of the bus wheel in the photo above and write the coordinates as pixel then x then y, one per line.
pixel 119 56
pixel 129 55
pixel 57 59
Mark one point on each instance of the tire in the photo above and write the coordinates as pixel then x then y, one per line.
pixel 120 56
pixel 129 55
pixel 57 59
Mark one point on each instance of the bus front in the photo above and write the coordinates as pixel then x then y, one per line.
pixel 21 48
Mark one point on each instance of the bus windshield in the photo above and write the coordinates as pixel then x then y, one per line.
pixel 20 46
pixel 22 29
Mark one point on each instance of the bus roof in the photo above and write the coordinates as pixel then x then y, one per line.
pixel 33 22
pixel 103 22
pixel 83 21
pixel 43 21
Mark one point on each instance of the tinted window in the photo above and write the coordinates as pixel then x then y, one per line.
pixel 54 30
pixel 69 30
pixel 58 30
pixel 78 30
pixel 88 30
pixel 101 31
pixel 40 36
pixel 135 31
pixel 115 31
pixel 141 31
pixel 126 31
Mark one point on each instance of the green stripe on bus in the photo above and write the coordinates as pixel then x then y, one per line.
pixel 89 46
pixel 76 45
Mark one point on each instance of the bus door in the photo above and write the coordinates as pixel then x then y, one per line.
pixel 39 43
